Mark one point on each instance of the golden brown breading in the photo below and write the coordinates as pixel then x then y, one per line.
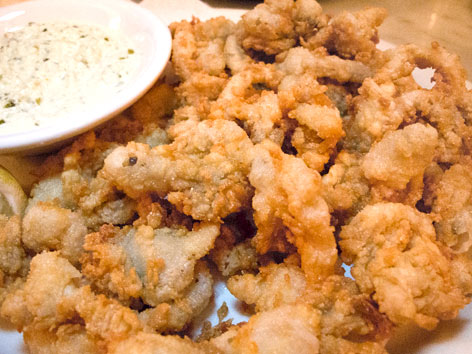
pixel 48 227
pixel 284 329
pixel 397 259
pixel 392 98
pixel 288 200
pixel 51 280
pixel 156 265
pixel 160 267
pixel 203 172
pixel 14 261
pixel 351 35
pixel 66 339
pixel 319 63
pixel 345 313
pixel 452 203
pixel 175 314
pixel 151 343
pixel 198 46
pixel 275 26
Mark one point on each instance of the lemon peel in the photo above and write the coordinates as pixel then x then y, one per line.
pixel 12 197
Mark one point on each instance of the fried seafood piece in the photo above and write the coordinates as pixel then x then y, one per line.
pixel 392 99
pixel 288 328
pixel 397 260
pixel 320 64
pixel 350 35
pixel 276 26
pixel 345 188
pixel 250 97
pixel 156 265
pixel 400 159
pixel 161 267
pixel 203 172
pixel 79 187
pixel 55 303
pixel 48 189
pixel 47 226
pixel 14 262
pixel 392 170
pixel 315 126
pixel 288 205
pixel 273 286
pixel 199 59
pixel 51 280
pixel 235 56
pixel 98 201
pixel 345 312
pixel 453 204
pixel 318 132
pixel 152 343
pixel 284 329
pixel 67 338
pixel 174 315
pixel 198 46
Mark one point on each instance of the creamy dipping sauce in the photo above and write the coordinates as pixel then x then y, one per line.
pixel 48 70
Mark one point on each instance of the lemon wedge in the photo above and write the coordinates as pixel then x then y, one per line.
pixel 12 197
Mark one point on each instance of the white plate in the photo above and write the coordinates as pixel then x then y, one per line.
pixel 450 336
pixel 147 32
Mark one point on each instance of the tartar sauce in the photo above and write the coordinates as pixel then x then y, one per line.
pixel 48 70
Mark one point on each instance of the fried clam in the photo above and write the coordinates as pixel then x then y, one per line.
pixel 289 210
pixel 392 99
pixel 58 311
pixel 250 97
pixel 203 172
pixel 350 35
pixel 14 262
pixel 276 26
pixel 392 170
pixel 159 267
pixel 451 202
pixel 397 260
pixel 346 318
pixel 199 60
pixel 54 296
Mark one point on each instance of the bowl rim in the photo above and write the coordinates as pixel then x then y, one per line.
pixel 153 62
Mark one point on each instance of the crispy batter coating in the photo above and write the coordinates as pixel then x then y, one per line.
pixel 288 201
pixel 281 330
pixel 273 286
pixel 453 204
pixel 156 265
pixel 397 259
pixel 150 343
pixel 49 227
pixel 203 172
pixel 320 64
pixel 392 98
pixel 51 279
pixel 14 261
pixel 66 339
pixel 351 35
pixel 344 311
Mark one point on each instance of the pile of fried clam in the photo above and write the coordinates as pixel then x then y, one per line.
pixel 277 149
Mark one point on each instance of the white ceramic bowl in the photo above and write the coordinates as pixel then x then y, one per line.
pixel 148 33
